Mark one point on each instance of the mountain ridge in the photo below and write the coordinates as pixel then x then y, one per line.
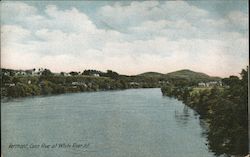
pixel 184 74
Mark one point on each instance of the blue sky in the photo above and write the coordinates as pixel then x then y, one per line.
pixel 129 37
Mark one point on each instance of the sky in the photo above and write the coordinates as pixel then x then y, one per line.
pixel 129 37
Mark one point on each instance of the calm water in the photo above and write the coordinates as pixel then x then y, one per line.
pixel 129 123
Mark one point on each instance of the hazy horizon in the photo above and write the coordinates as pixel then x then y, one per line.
pixel 129 37
pixel 57 72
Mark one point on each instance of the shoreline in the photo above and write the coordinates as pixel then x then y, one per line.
pixel 8 99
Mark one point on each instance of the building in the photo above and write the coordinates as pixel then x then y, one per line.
pixel 96 75
pixel 202 84
pixel 210 84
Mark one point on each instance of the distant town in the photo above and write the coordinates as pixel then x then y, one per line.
pixel 156 79
pixel 41 81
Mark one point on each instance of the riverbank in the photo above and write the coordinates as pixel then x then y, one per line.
pixel 25 86
pixel 23 83
pixel 224 108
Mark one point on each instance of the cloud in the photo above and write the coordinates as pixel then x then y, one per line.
pixel 19 13
pixel 145 36
pixel 17 8
pixel 238 18
pixel 70 20
pixel 12 33
pixel 119 15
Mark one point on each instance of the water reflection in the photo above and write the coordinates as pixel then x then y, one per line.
pixel 182 116
pixel 186 115
pixel 204 126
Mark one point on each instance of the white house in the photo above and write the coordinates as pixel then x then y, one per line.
pixel 202 84
pixel 96 75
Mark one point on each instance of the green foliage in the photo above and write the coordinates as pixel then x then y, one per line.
pixel 73 73
pixel 190 75
pixel 229 120
pixel 231 80
pixel 152 74
pixel 62 73
pixel 46 87
pixel 6 79
pixel 225 109
pixel 49 83
pixel 92 72
pixel 21 90
pixel 21 86
pixel 112 74
pixel 47 72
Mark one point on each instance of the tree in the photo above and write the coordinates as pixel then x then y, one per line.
pixel 73 73
pixel 232 80
pixel 92 72
pixel 112 74
pixel 62 73
pixel 47 72
pixel 228 132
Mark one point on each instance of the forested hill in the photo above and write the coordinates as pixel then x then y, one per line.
pixel 190 75
pixel 182 74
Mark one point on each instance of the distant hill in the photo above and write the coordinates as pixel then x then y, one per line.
pixel 151 74
pixel 190 75
pixel 181 74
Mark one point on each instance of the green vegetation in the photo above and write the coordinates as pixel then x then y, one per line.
pixel 16 83
pixel 223 107
pixel 191 75
pixel 21 86
pixel 225 110
pixel 152 74
pixel 21 83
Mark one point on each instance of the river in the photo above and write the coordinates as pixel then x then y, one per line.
pixel 127 123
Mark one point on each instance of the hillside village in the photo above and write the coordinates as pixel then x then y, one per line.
pixel 42 81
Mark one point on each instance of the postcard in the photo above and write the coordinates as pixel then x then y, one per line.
pixel 124 78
